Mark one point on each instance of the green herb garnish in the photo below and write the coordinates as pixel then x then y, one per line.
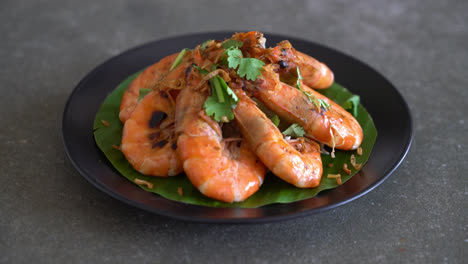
pixel 201 70
pixel 234 57
pixel 249 68
pixel 178 60
pixel 275 119
pixel 232 43
pixel 222 99
pixel 294 131
pixel 216 88
pixel 221 102
pixel 352 104
pixel 324 104
pixel 319 103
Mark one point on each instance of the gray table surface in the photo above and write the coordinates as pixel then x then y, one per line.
pixel 50 214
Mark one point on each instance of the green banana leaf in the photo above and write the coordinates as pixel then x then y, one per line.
pixel 273 190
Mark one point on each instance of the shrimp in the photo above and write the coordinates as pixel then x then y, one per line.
pixel 314 73
pixel 153 77
pixel 334 127
pixel 219 168
pixel 297 162
pixel 152 126
pixel 148 140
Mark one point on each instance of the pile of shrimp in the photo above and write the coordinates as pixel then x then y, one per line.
pixel 168 132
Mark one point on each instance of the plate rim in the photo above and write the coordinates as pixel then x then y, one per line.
pixel 264 219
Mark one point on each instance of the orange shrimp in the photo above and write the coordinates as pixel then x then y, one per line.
pixel 314 73
pixel 221 169
pixel 148 140
pixel 334 127
pixel 150 78
pixel 297 162
pixel 157 155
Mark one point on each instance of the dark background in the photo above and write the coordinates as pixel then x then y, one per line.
pixel 49 213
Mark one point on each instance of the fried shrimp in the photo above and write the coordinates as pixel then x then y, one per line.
pixel 334 127
pixel 145 80
pixel 314 73
pixel 297 162
pixel 148 140
pixel 219 168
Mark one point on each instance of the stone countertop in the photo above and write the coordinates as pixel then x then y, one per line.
pixel 50 214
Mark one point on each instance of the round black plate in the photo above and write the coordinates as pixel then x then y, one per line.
pixel 393 124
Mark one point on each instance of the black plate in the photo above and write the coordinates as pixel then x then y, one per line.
pixel 385 104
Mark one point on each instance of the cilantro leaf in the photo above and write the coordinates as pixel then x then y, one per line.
pixel 352 104
pixel 234 58
pixel 275 119
pixel 143 92
pixel 232 43
pixel 294 131
pixel 250 68
pixel 229 92
pixel 217 89
pixel 220 110
pixel 223 60
pixel 201 70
